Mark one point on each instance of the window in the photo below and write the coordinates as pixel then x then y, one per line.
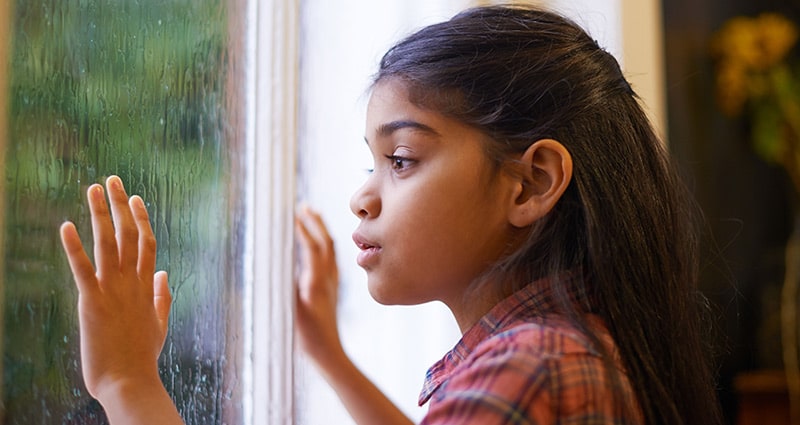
pixel 156 92
pixel 199 105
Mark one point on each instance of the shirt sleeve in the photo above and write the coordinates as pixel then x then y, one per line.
pixel 519 387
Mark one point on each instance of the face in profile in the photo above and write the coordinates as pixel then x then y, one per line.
pixel 432 210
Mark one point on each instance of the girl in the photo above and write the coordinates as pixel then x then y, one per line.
pixel 516 180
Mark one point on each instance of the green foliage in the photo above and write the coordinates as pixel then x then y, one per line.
pixel 766 130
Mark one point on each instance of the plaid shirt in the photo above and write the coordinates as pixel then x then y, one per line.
pixel 522 365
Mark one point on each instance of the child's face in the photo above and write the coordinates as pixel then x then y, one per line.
pixel 433 210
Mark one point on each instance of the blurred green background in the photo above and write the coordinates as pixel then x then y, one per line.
pixel 141 89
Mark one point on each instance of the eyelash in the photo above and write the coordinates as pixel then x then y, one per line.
pixel 398 162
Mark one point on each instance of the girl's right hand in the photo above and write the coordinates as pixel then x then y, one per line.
pixel 317 291
pixel 123 306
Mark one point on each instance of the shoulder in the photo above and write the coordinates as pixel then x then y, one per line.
pixel 553 337
pixel 531 373
pixel 532 361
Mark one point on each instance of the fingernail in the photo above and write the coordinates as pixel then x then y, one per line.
pixel 97 192
pixel 138 203
pixel 115 183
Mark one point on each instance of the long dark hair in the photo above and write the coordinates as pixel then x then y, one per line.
pixel 521 74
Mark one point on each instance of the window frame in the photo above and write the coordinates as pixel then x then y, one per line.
pixel 271 96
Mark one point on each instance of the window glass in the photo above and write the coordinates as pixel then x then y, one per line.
pixel 146 90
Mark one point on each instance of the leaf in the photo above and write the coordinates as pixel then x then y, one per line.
pixel 767 130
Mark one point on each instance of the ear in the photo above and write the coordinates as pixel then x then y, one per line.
pixel 544 174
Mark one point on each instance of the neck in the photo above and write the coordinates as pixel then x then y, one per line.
pixel 473 303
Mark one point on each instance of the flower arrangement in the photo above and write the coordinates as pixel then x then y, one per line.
pixel 754 75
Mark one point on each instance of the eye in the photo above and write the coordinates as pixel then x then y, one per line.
pixel 398 162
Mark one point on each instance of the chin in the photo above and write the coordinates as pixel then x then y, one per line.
pixel 380 296
pixel 387 297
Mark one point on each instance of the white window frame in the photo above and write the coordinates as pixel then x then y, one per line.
pixel 271 137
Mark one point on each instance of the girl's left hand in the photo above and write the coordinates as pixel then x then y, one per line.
pixel 317 292
pixel 317 327
pixel 123 304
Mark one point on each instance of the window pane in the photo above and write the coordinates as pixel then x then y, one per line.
pixel 142 89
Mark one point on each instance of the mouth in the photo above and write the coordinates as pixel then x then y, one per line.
pixel 369 251
pixel 363 243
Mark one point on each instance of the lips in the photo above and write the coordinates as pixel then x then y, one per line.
pixel 369 251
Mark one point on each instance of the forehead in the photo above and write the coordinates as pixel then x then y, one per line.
pixel 394 120
pixel 388 96
pixel 390 109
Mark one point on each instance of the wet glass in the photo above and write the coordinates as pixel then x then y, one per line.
pixel 146 90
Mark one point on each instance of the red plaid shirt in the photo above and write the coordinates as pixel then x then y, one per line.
pixel 522 365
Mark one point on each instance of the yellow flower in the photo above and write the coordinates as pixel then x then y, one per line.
pixel 778 35
pixel 755 43
pixel 732 87
pixel 738 42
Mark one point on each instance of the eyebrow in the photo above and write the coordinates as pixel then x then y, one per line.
pixel 387 129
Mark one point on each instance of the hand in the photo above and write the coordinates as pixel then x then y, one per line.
pixel 123 305
pixel 317 291
pixel 317 294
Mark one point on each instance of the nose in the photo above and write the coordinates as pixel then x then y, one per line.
pixel 366 203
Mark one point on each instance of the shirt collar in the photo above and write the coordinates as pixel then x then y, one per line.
pixel 533 300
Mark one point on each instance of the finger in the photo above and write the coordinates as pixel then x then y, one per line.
pixel 126 232
pixel 147 241
pixel 318 235
pixel 300 306
pixel 308 257
pixel 105 244
pixel 79 262
pixel 315 225
pixel 162 300
pixel 318 266
pixel 308 245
